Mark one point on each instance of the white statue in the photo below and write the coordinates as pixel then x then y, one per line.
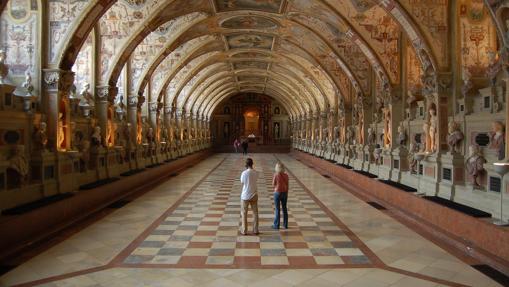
pixel 401 135
pixel 86 98
pixel 28 84
pixel 96 139
pixel 40 137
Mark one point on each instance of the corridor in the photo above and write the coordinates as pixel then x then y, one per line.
pixel 184 232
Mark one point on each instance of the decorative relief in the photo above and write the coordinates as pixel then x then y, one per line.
pixel 478 36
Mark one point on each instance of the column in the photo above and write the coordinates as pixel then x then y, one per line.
pixel 104 98
pixel 57 85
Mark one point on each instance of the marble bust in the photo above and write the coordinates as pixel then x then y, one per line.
pixel 19 163
pixel 455 137
pixel 474 165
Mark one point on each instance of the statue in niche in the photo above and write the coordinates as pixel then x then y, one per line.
pixel 28 84
pixel 40 137
pixel 467 82
pixel 430 131
pixel 411 97
pixel 150 136
pixel 455 137
pixel 61 132
pixel 325 135
pixel 139 127
pixel 387 139
pixel 19 163
pixel 359 120
pixel 378 107
pixel 412 161
pixel 475 167
pixel 4 69
pixel 371 136
pixel 401 135
pixel 158 130
pixel 336 134
pixel 121 109
pixel 164 135
pixel 342 127
pixel 96 138
pixel 350 135
pixel 86 98
pixel 497 138
pixel 276 130
pixel 377 154
pixel 110 128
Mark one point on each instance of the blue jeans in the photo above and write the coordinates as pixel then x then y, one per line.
pixel 280 198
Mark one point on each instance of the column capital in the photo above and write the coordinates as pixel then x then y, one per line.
pixel 168 110
pixel 58 80
pixel 152 107
pixel 132 101
pixel 106 93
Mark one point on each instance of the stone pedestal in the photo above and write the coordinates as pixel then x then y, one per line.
pixel 44 169
pixel 451 174
pixel 68 167
pixel 358 163
pixel 399 163
pixel 430 177
pixel 117 161
pixel 368 159
pixel 341 158
pixel 98 162
pixel 385 168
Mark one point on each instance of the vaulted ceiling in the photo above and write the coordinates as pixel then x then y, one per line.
pixel 192 54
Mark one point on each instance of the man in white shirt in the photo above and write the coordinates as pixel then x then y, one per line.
pixel 249 196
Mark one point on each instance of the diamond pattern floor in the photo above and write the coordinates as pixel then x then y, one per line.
pixel 202 231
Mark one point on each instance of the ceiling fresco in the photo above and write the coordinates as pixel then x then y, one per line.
pixel 241 41
pixel 322 50
pixel 249 22
pixel 271 6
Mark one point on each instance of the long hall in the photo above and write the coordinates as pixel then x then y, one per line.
pixel 185 232
pixel 128 129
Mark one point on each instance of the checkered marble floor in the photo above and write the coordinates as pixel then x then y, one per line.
pixel 202 229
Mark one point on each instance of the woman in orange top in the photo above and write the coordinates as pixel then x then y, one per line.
pixel 280 184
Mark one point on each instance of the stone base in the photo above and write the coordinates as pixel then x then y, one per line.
pixel 385 171
pixel 399 163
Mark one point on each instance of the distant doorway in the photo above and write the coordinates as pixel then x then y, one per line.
pixel 252 122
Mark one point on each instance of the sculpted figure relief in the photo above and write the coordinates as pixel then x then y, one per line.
pixel 497 140
pixel 387 127
pixel 19 163
pixel 86 98
pixel 96 139
pixel 455 137
pixel 401 135
pixel 61 131
pixel 430 131
pixel 371 136
pixel 475 163
pixel 412 162
pixel 40 137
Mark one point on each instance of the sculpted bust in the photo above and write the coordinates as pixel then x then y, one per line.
pixel 455 137
pixel 475 166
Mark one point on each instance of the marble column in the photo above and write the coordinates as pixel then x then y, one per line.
pixel 57 84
